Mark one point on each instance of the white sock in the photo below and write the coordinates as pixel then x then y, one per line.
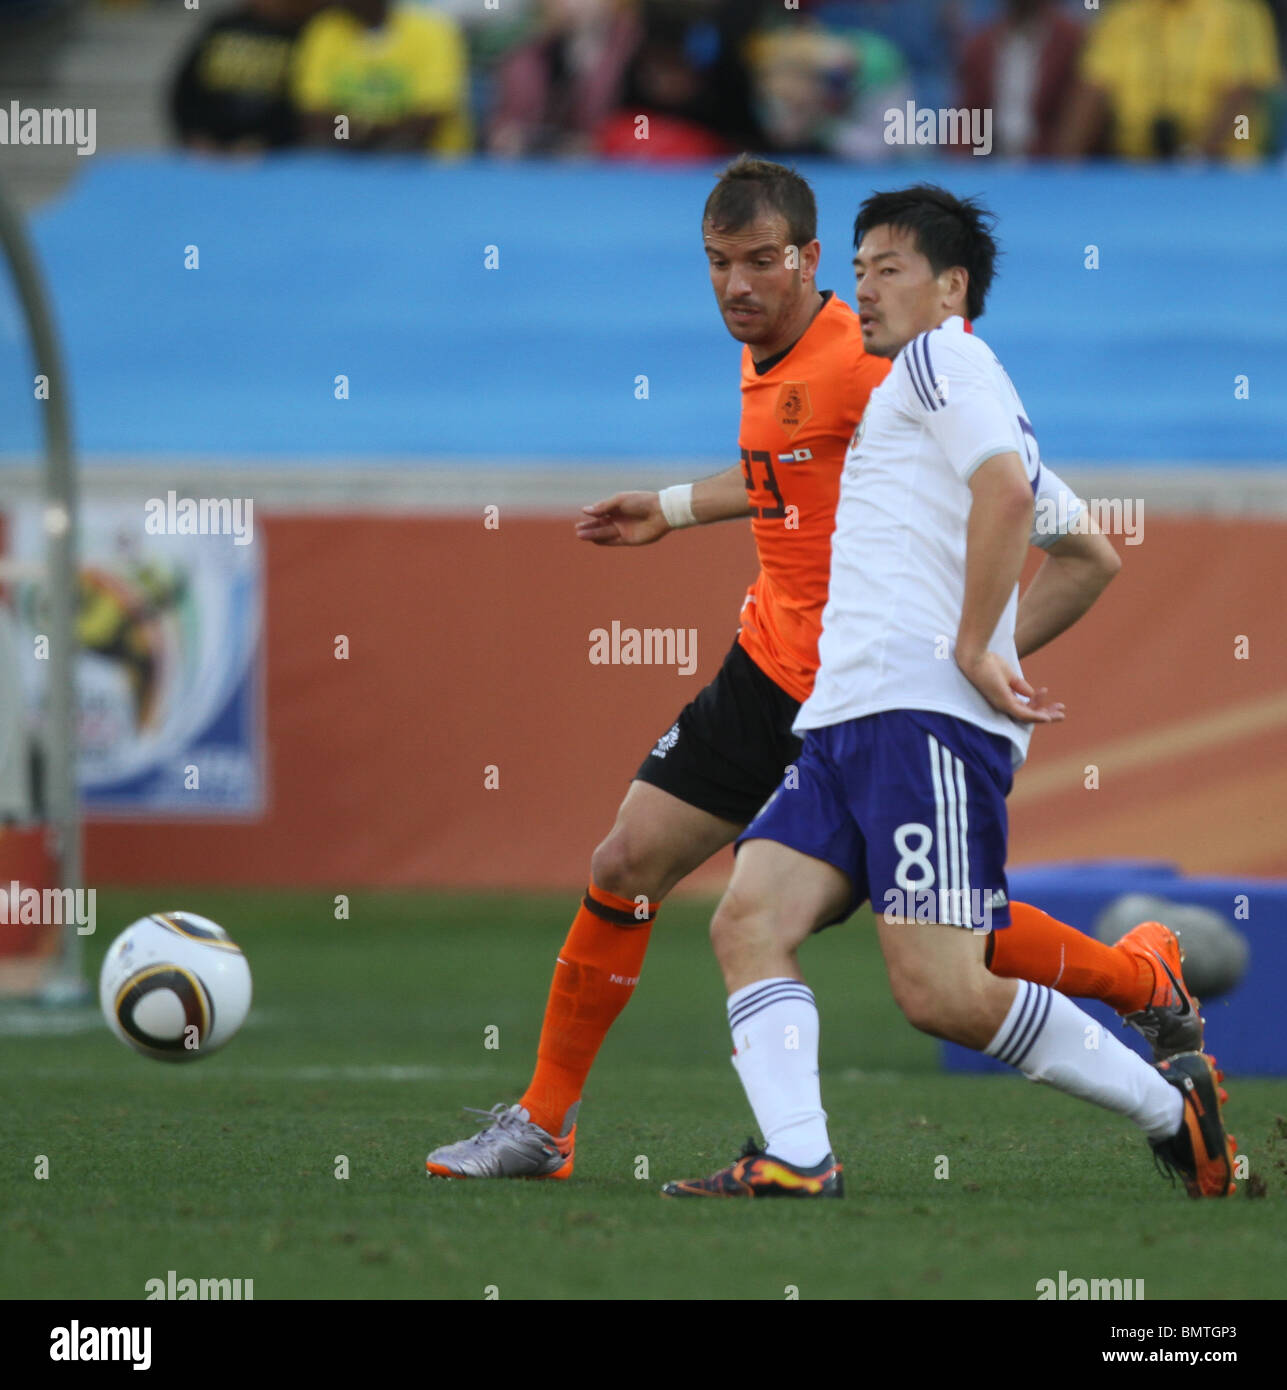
pixel 1048 1038
pixel 775 1052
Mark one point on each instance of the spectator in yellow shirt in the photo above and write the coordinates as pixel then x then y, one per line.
pixel 1161 78
pixel 397 73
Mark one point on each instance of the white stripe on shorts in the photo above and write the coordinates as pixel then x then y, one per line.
pixel 966 912
pixel 939 847
pixel 950 908
pixel 952 830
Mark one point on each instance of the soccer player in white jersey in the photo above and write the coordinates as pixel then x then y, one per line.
pixel 918 718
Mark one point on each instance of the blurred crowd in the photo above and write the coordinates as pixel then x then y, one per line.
pixel 666 80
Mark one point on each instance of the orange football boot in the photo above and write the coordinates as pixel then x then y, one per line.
pixel 1201 1152
pixel 1170 1022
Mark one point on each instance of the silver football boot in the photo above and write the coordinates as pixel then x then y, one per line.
pixel 510 1147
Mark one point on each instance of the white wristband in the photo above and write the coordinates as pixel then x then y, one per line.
pixel 677 505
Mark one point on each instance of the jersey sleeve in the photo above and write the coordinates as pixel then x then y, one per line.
pixel 948 390
pixel 1057 509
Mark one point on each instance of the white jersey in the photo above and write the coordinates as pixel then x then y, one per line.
pixel 898 551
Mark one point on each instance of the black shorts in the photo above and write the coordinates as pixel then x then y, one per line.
pixel 730 746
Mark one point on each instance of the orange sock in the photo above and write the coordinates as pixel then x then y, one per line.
pixel 596 974
pixel 1040 948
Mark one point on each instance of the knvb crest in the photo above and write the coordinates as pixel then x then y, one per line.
pixel 794 407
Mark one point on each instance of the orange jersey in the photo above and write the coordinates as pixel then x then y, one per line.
pixel 797 420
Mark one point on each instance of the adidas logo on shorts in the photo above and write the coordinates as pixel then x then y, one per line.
pixel 666 742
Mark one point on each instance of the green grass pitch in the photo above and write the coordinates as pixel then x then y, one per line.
pixel 367 1037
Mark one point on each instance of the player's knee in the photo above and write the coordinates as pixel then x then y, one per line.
pixel 617 867
pixel 630 866
pixel 924 1003
pixel 945 1006
pixel 920 1007
pixel 736 927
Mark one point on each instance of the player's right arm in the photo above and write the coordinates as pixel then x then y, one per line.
pixel 944 383
pixel 999 525
pixel 638 518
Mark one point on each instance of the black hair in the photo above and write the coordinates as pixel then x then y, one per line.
pixel 750 188
pixel 949 231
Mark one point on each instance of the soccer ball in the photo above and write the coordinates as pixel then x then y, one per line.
pixel 174 986
pixel 1216 953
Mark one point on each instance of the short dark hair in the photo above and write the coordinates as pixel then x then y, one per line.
pixel 949 231
pixel 751 188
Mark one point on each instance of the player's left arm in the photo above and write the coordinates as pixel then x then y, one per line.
pixel 945 383
pixel 1076 570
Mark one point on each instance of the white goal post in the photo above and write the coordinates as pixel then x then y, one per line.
pixel 60 810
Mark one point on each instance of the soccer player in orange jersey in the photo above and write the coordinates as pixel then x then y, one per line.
pixel 805 382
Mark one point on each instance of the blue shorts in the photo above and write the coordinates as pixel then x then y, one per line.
pixel 911 806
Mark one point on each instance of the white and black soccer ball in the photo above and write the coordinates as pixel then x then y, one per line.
pixel 174 986
pixel 1216 954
